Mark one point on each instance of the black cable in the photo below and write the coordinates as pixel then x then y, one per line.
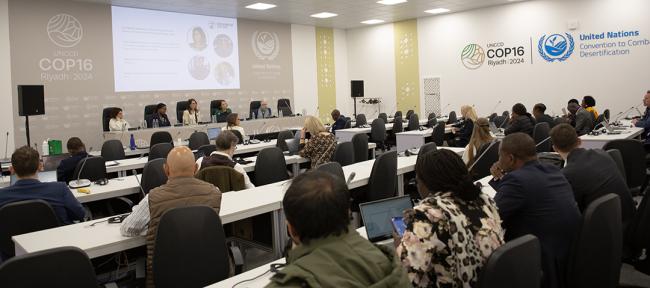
pixel 251 279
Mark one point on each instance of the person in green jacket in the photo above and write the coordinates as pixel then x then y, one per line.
pixel 325 252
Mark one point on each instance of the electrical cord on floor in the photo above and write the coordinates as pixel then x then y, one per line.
pixel 274 268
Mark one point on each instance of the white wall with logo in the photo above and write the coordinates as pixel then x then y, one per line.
pixel 6 122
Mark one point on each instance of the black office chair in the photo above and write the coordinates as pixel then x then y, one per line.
pixel 452 118
pixel 600 119
pixel 486 155
pixel 397 113
pixel 206 150
pixel 57 267
pixel 160 150
pixel 515 264
pixel 253 107
pixel 398 127
pixel 409 113
pixel 492 116
pixel 634 160
pixel 270 166
pixel 181 106
pixel 414 122
pixel 606 114
pixel 540 135
pixel 438 134
pixel 361 120
pixel 334 168
pixel 214 106
pixel 190 248
pixel 383 177
pixel 432 115
pixel 348 124
pixel 506 114
pixel 378 134
pixel 432 122
pixel 160 137
pixel 500 121
pixel 596 257
pixel 148 111
pixel 20 218
pixel 153 175
pixel 383 116
pixel 284 106
pixel 93 170
pixel 240 138
pixel 344 153
pixel 106 117
pixel 360 143
pixel 198 139
pixel 618 158
pixel 113 150
pixel 426 148
pixel 283 136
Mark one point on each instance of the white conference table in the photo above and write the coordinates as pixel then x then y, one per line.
pixel 414 139
pixel 597 142
pixel 345 135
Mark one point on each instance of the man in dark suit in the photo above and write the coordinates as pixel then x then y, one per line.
pixel 535 198
pixel 339 120
pixel 77 150
pixel 538 111
pixel 583 118
pixel 592 173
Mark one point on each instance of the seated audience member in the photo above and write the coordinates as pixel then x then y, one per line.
pixel 570 115
pixel 480 136
pixel 539 112
pixel 592 173
pixel 453 230
pixel 77 151
pixel 117 122
pixel 316 143
pixel 232 123
pixel 644 122
pixel 161 116
pixel 583 119
pixel 463 129
pixel 25 164
pixel 520 121
pixel 191 115
pixel 226 146
pixel 325 251
pixel 339 121
pixel 181 190
pixel 589 103
pixel 222 110
pixel 535 198
pixel 264 111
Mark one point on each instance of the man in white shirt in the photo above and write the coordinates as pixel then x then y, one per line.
pixel 226 146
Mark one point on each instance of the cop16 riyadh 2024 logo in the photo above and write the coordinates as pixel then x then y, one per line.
pixel 556 47
pixel 472 56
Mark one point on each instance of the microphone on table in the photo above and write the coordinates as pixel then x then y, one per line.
pixel 6 145
pixel 80 183
pixel 481 156
pixel 621 114
pixel 350 178
pixel 495 107
pixel 639 111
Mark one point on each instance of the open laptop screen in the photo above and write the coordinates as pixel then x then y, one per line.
pixel 213 133
pixel 377 216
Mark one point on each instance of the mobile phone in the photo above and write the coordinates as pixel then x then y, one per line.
pixel 398 225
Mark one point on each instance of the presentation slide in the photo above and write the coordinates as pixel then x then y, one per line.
pixel 162 51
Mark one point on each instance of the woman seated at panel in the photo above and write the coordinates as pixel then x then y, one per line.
pixel 455 228
pixel 160 116
pixel 463 130
pixel 191 115
pixel 316 143
pixel 480 136
pixel 233 125
pixel 117 122
pixel 222 111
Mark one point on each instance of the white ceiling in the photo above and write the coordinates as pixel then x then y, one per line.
pixel 350 12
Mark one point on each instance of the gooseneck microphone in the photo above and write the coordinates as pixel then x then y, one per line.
pixel 6 146
pixel 350 178
pixel 80 183
pixel 495 107
pixel 481 156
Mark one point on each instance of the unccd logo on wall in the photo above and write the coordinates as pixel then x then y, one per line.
pixel 65 31
pixel 472 56
pixel 266 45
pixel 556 47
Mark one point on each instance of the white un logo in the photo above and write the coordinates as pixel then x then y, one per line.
pixel 64 30
pixel 555 47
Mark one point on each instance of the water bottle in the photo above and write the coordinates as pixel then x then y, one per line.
pixel 132 143
pixel 46 148
pixel 214 118
pixel 280 113
pixel 155 123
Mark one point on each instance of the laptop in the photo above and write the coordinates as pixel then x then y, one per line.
pixel 46 176
pixel 51 162
pixel 213 133
pixel 377 216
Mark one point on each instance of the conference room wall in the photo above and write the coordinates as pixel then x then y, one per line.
pixel 303 41
pixel 6 121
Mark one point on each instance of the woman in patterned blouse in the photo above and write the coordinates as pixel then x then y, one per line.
pixel 453 230
pixel 320 145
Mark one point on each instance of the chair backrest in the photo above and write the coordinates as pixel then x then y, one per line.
pixel 214 106
pixel 633 158
pixel 160 137
pixel 253 107
pixel 190 248
pixel 540 133
pixel 93 170
pixel 153 175
pixel 499 121
pixel 414 122
pixel 284 105
pixel 409 113
pixel 432 122
pixel 361 120
pixel 383 116
pixel 106 117
pixel 344 153
pixel 360 143
pixel 606 114
pixel 180 107
pixel 492 116
pixel 270 166
pixel 486 155
pixel 224 177
pixel 596 257
pixel 438 135
pixel 600 119
pixel 160 150
pixel 398 125
pixel 206 150
pixel 506 268
pixel 640 227
pixel 618 158
pixel 452 118
pixel 198 139
pixel 348 124
pixel 149 110
pixel 283 136
pixel 377 131
pixel 506 114
pixel 113 150
pixel 23 217
pixel 240 138
pixel 383 177
pixel 334 168
pixel 57 267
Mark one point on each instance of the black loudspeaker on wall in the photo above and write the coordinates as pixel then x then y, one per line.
pixel 357 88
pixel 31 100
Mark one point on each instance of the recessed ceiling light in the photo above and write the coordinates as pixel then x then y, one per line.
pixel 372 21
pixel 324 15
pixel 260 6
pixel 437 11
pixel 391 2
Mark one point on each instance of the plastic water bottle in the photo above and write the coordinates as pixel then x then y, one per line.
pixel 155 123
pixel 46 148
pixel 280 113
pixel 132 142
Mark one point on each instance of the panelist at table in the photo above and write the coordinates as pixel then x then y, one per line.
pixel 222 111
pixel 117 122
pixel 191 115
pixel 160 117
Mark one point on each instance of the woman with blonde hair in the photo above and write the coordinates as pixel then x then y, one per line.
pixel 315 142
pixel 463 130
pixel 480 136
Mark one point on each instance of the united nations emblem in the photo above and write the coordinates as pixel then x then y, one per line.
pixel 472 56
pixel 266 45
pixel 556 47
pixel 64 30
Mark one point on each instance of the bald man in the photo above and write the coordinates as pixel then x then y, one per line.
pixel 181 190
pixel 264 111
